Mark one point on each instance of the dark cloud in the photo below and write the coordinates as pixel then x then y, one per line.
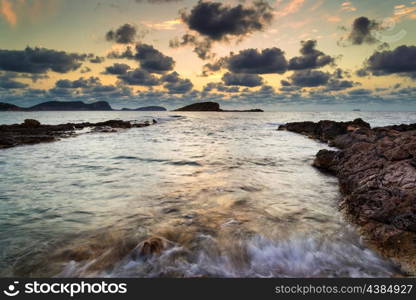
pixel 7 82
pixel 153 60
pixel 362 31
pixel 202 46
pixel 149 58
pixel 40 60
pixel 85 70
pixel 251 61
pixel 117 69
pixel 181 86
pixel 97 60
pixel 218 21
pixel 175 84
pixel 309 78
pixel 220 87
pixel 125 34
pixel 360 92
pixel 401 60
pixel 215 21
pixel 79 83
pixel 339 85
pixel 139 77
pixel 311 58
pixel 240 79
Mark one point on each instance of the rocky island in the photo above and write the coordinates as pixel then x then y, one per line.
pixel 211 106
pixel 376 168
pixel 60 106
pixel 146 108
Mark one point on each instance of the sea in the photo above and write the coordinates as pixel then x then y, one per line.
pixel 229 194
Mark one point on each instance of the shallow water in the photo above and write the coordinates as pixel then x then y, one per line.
pixel 232 196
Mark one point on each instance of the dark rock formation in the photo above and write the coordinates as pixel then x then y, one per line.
pixel 71 106
pixel 147 108
pixel 376 169
pixel 211 106
pixel 60 106
pixel 10 107
pixel 33 132
pixel 202 106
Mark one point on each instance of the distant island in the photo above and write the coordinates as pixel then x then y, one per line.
pixel 211 106
pixel 60 106
pixel 105 106
pixel 146 108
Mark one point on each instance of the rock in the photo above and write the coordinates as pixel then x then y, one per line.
pixel 202 106
pixel 376 169
pixel 211 106
pixel 33 132
pixel 31 123
pixel 150 247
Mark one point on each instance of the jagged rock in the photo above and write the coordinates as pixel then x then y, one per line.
pixel 33 132
pixel 376 169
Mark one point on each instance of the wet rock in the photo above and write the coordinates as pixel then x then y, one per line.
pixel 31 123
pixel 33 132
pixel 150 247
pixel 376 169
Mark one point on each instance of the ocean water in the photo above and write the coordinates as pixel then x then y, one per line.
pixel 230 195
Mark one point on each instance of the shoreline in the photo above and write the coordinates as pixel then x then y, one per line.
pixel 376 169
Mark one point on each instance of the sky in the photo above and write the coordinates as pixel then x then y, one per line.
pixel 271 54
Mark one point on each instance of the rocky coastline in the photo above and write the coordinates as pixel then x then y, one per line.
pixel 33 132
pixel 376 168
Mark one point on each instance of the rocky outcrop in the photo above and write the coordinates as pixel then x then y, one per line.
pixel 211 106
pixel 146 108
pixel 33 132
pixel 202 106
pixel 376 169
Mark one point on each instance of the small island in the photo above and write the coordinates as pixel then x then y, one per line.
pixel 211 106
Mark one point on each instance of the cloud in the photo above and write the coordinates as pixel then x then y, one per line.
pixel 309 78
pixel 139 77
pixel 97 60
pixel 79 83
pixel 175 84
pixel 252 61
pixel 220 87
pixel 7 82
pixel 150 59
pixel 125 34
pixel 348 6
pixel 292 7
pixel 311 57
pixel 117 69
pixel 157 1
pixel 153 60
pixel 248 80
pixel 181 86
pixel 214 22
pixel 202 47
pixel 401 60
pixel 8 13
pixel 362 31
pixel 40 60
pixel 15 10
pixel 218 21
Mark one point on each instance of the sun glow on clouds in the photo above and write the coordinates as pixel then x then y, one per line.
pixel 14 11
pixel 8 13
pixel 403 11
pixel 291 7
